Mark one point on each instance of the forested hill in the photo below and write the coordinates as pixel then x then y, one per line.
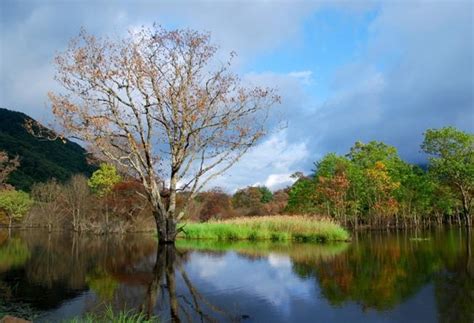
pixel 40 159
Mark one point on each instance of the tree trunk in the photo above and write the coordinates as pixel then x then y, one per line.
pixel 166 229
pixel 9 226
pixel 106 217
pixel 465 207
pixel 468 249
pixel 467 219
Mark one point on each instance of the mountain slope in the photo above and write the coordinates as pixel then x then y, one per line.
pixel 40 159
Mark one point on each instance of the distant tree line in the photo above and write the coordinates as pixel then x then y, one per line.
pixel 369 186
pixel 372 185
pixel 110 202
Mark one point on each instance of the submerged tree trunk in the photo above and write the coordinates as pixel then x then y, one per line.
pixel 467 218
pixel 171 282
pixel 163 289
pixel 153 287
pixel 10 226
pixel 163 270
pixel 166 229
pixel 468 249
pixel 465 206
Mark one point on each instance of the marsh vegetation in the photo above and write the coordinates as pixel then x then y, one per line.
pixel 274 228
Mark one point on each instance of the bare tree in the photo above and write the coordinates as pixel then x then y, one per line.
pixel 7 166
pixel 159 103
pixel 48 203
pixel 76 196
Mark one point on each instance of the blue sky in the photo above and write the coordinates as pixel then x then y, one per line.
pixel 346 70
pixel 328 39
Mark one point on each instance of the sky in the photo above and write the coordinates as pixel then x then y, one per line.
pixel 346 70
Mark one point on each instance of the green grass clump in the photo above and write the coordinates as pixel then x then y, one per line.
pixel 274 228
pixel 109 316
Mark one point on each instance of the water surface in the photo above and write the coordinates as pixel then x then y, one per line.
pixel 424 276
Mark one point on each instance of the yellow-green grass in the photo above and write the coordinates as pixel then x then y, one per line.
pixel 275 228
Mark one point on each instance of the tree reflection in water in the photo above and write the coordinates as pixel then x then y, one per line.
pixel 189 303
pixel 45 270
pixel 377 273
pixel 384 270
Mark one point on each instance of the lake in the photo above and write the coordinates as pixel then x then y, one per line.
pixel 404 276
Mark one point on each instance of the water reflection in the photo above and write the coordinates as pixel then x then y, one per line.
pixel 184 301
pixel 379 276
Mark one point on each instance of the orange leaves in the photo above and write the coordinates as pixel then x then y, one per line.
pixel 388 206
pixel 80 56
pixel 202 102
pixel 334 190
pixel 99 121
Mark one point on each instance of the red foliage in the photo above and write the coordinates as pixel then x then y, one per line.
pixel 215 205
pixel 334 190
pixel 127 199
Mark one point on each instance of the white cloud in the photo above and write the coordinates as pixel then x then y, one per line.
pixel 280 154
pixel 306 77
pixel 279 261
pixel 271 163
pixel 275 181
pixel 272 278
pixel 201 265
pixel 31 32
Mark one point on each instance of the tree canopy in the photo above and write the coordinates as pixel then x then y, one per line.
pixel 103 180
pixel 452 161
pixel 371 184
pixel 15 204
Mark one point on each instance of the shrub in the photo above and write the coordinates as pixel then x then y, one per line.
pixel 15 204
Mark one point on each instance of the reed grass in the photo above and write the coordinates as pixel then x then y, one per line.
pixel 274 228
